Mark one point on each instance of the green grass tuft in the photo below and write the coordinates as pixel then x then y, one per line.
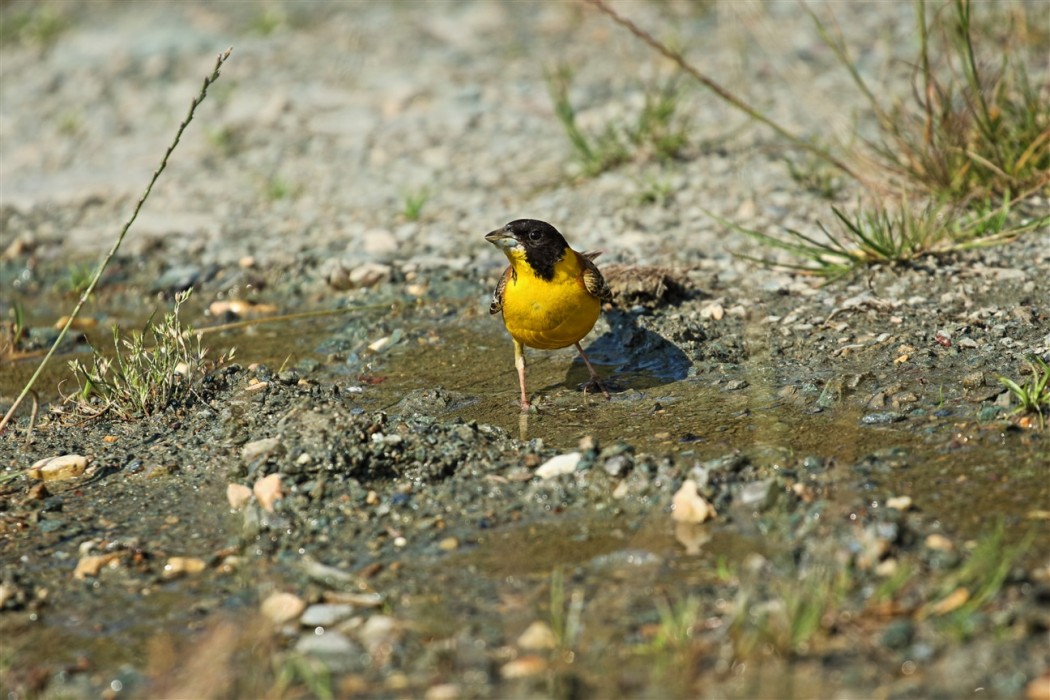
pixel 976 127
pixel 1032 396
pixel 884 236
pixel 660 131
pixel 150 371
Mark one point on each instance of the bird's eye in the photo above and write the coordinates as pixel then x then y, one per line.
pixel 535 236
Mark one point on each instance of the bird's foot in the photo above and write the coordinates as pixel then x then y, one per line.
pixel 595 385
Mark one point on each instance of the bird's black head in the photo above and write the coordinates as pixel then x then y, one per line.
pixel 540 243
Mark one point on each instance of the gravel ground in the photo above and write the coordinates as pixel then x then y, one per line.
pixel 354 506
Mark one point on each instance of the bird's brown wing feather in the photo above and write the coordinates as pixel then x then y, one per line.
pixel 592 278
pixel 497 294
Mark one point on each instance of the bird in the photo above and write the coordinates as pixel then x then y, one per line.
pixel 550 295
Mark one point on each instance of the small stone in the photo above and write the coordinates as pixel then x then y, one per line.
pixel 260 448
pixel 1038 688
pixel 688 506
pixel 901 503
pixel 58 468
pixel 378 630
pixel 883 418
pixel 989 413
pixel 973 380
pixel 757 495
pixel 887 568
pixel 443 691
pixel 939 543
pixel 368 275
pixel 523 667
pixel 713 311
pixel 898 634
pixel 178 278
pixel 240 308
pixel 281 608
pixel 537 636
pixel 267 491
pixel 617 465
pixel 379 345
pixel 358 600
pixel 238 495
pixel 181 566
pixel 332 648
pixel 92 565
pixel 559 465
pixel 325 614
pixel 449 544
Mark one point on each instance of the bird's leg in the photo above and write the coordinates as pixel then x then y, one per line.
pixel 595 379
pixel 519 362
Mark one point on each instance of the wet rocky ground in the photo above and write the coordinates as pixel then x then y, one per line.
pixel 796 489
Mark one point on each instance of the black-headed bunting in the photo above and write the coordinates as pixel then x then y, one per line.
pixel 550 295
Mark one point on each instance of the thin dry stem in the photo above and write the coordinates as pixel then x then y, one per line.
pixel 120 239
pixel 729 97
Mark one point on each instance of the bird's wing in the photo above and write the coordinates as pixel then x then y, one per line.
pixel 592 278
pixel 497 294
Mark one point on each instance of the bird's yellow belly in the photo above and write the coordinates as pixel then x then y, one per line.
pixel 549 316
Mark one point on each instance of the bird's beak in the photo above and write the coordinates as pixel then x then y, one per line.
pixel 501 239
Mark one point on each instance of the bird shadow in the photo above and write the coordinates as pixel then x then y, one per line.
pixel 640 358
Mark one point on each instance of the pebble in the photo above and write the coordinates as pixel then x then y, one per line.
pixel 240 308
pixel 58 468
pixel 281 608
pixel 1038 688
pixel 882 418
pixel 617 465
pixel 443 691
pixel 939 543
pixel 267 491
pixel 335 650
pixel 358 600
pixel 537 636
pixel 901 503
pixel 379 242
pixel 688 506
pixel 259 448
pixel 898 634
pixel 181 566
pixel 523 667
pixel 758 495
pixel 559 465
pixel 368 275
pixel 378 630
pixel 91 565
pixel 177 278
pixel 325 614
pixel 238 495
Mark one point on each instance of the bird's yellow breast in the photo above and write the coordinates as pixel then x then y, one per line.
pixel 549 314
